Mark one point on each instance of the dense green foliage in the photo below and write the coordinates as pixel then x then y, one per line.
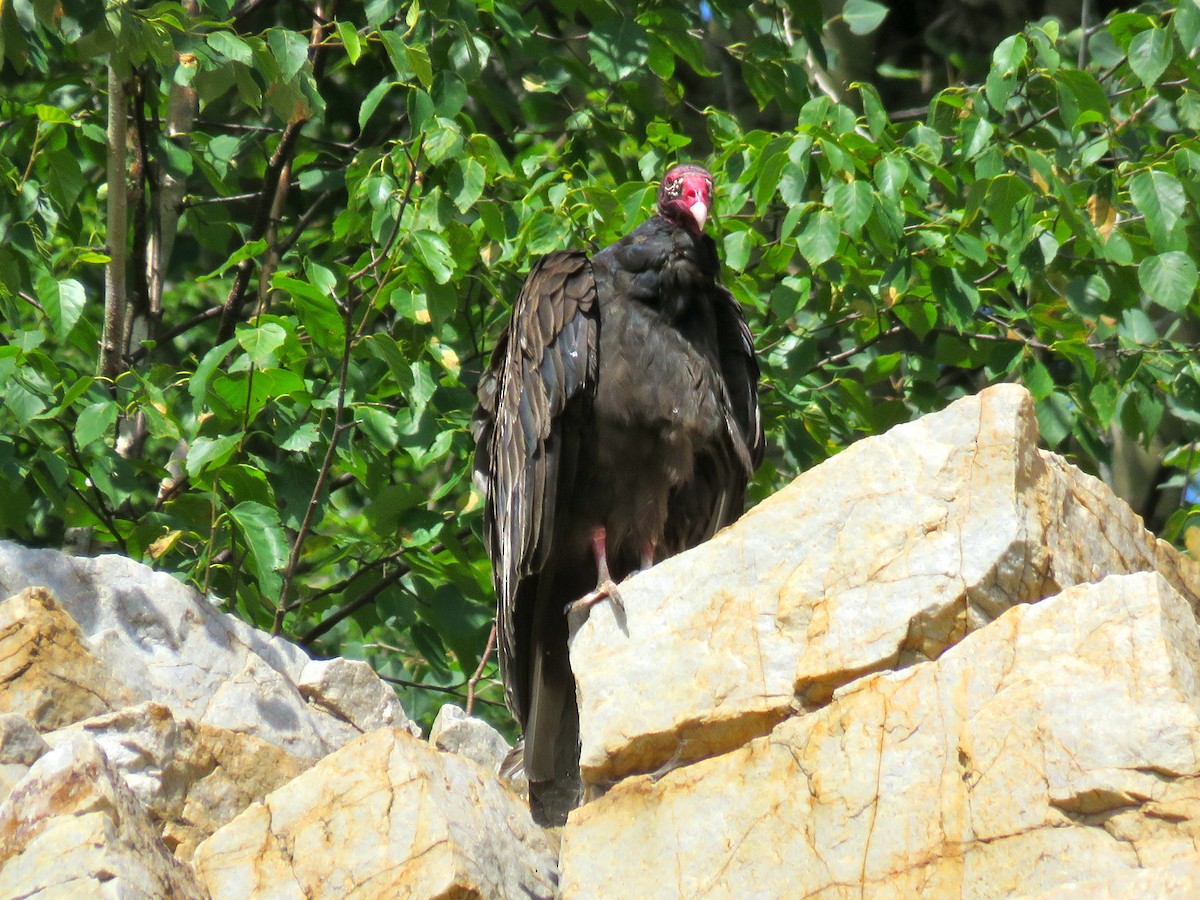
pixel 326 220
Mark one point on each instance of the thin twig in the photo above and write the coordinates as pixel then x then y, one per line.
pixel 199 319
pixel 474 679
pixel 100 509
pixel 241 280
pixel 232 198
pixel 846 354
pixel 454 690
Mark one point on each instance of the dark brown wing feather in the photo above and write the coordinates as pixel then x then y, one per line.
pixel 739 370
pixel 545 363
pixel 715 495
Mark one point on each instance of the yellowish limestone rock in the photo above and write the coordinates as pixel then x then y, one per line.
pixel 190 778
pixel 47 674
pixel 1059 744
pixel 386 816
pixel 73 828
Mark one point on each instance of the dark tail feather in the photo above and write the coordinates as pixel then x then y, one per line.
pixel 551 799
pixel 552 735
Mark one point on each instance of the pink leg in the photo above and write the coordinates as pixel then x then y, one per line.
pixel 601 554
pixel 648 554
pixel 606 588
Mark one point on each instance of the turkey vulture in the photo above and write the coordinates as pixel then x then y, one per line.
pixel 618 424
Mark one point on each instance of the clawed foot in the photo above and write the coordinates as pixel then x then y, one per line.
pixel 605 590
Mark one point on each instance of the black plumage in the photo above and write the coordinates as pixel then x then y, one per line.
pixel 618 424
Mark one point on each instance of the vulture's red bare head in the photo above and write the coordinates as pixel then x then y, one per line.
pixel 685 197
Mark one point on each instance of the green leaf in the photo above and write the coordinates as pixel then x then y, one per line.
pixel 1006 62
pixel 371 101
pixel 449 94
pixel 350 40
pixel 245 394
pixel 435 253
pixel 852 203
pixel 263 533
pixel 1081 97
pixel 1161 199
pixel 300 438
pixel 919 318
pixel 769 177
pixel 53 114
pixel 63 301
pixel 317 312
pixel 246 251
pixel 818 238
pixel 23 403
pixel 1037 379
pixel 466 183
pixel 378 425
pixel 891 175
pixel 1054 418
pixel 661 59
pixel 981 132
pixel 958 297
pixel 443 139
pixel 1186 23
pixel 618 47
pixel 423 385
pixel 1149 55
pixel 864 16
pixel 418 58
pixel 261 341
pixel 420 109
pixel 290 49
pixel 206 453
pixel 737 249
pixel 385 348
pixel 230 46
pixel 1003 196
pixel 198 383
pixel 96 420
pixel 1169 279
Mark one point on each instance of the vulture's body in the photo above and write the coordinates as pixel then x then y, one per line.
pixel 618 424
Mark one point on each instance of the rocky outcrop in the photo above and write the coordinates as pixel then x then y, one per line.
pixel 147 739
pixel 148 637
pixel 1059 744
pixel 943 663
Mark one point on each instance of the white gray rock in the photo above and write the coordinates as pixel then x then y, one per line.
pixel 191 779
pixel 19 741
pixel 20 747
pixel 163 642
pixel 350 690
pixel 455 732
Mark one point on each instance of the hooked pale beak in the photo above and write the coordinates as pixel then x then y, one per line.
pixel 700 213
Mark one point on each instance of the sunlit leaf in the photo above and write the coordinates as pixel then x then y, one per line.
pixel 818 238
pixel 1169 279
pixel 263 535
pixel 1148 55
pixel 864 16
